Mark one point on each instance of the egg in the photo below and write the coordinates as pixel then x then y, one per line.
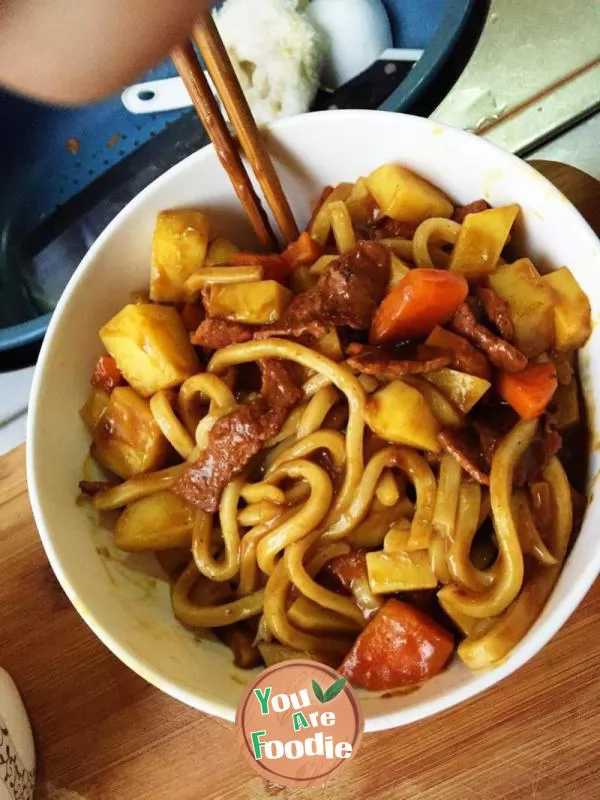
pixel 17 752
pixel 357 31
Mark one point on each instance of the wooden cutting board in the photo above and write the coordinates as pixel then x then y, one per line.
pixel 102 733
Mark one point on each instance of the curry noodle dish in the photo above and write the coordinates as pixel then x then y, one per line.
pixel 368 450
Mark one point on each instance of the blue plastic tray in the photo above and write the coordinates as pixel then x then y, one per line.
pixel 52 158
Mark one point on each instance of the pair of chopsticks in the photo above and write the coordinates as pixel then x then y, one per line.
pixel 220 69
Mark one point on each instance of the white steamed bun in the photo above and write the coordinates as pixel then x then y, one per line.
pixel 276 52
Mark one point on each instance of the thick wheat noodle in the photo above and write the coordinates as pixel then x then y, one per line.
pixel 208 276
pixel 200 386
pixel 434 230
pixel 297 493
pixel 161 406
pixel 136 488
pixel 518 618
pixel 196 616
pixel 289 427
pixel 316 410
pixel 259 492
pixel 529 535
pixel 275 613
pixel 486 506
pixel 249 571
pixel 203 430
pixel 338 375
pixel 508 577
pixel 268 457
pixel 446 501
pixel 363 497
pixel 419 473
pixel 227 567
pixel 386 491
pixel 404 249
pixel 318 382
pixel 307 518
pixel 315 383
pixel 323 555
pixel 438 558
pixel 257 513
pixel 467 524
pixel 332 441
pixel 369 382
pixel 294 557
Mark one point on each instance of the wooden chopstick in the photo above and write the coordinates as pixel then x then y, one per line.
pixel 186 63
pixel 218 63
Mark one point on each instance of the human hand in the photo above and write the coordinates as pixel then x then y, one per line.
pixel 69 51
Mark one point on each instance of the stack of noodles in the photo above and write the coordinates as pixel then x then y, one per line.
pixel 334 509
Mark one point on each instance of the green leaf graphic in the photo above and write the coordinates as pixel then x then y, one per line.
pixel 334 690
pixel 318 692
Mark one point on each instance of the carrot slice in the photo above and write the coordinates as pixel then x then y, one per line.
pixel 303 252
pixel 106 375
pixel 275 268
pixel 423 299
pixel 399 646
pixel 530 391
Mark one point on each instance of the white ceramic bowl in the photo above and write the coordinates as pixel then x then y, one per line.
pixel 129 611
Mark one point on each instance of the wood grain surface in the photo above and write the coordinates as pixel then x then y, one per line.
pixel 102 733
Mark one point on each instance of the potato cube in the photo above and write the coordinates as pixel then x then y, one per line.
pixel 257 303
pixel 151 347
pixel 400 572
pixel 531 305
pixel 330 346
pixel 572 311
pixel 398 413
pixel 306 614
pixel 524 265
pixel 398 269
pixel 178 250
pixel 126 439
pixel 463 390
pixel 94 408
pixel 220 252
pixel 481 240
pixel 443 410
pixel 406 197
pixel 160 521
pixel 360 203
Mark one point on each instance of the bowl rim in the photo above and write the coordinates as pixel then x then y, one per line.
pixel 543 629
